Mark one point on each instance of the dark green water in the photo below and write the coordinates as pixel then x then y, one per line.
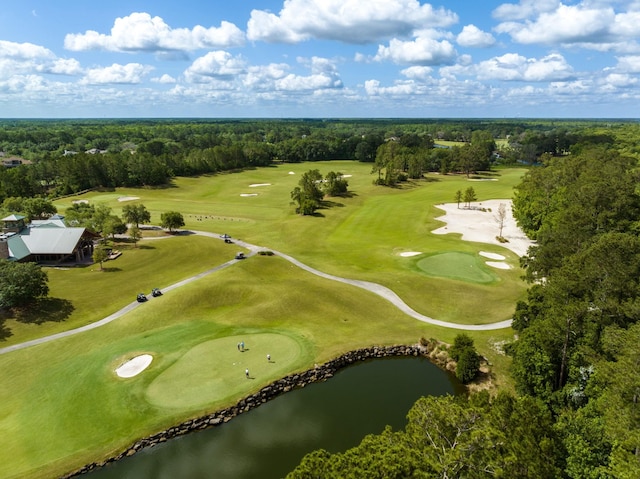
pixel 269 441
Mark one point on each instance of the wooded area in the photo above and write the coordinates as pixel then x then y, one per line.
pixel 68 156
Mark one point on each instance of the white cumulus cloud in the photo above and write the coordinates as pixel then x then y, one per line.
pixel 567 24
pixel 472 36
pixel 629 64
pixel 589 24
pixel 515 67
pixel 215 66
pixel 131 73
pixel 164 79
pixel 26 58
pixel 350 21
pixel 524 9
pixel 419 73
pixel 141 32
pixel 424 50
pixel 24 51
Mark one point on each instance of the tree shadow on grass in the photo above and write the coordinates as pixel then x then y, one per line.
pixel 106 269
pixel 325 204
pixel 45 310
pixel 5 332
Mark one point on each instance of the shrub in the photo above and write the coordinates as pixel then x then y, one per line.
pixel 468 365
pixel 461 342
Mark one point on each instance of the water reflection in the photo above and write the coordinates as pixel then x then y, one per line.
pixel 270 440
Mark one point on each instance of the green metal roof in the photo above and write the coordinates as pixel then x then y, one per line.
pixel 17 248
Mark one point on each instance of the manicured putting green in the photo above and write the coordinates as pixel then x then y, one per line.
pixel 215 370
pixel 460 266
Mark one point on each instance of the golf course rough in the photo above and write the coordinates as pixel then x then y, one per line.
pixel 215 369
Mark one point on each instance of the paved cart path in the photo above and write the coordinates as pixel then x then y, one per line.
pixel 375 288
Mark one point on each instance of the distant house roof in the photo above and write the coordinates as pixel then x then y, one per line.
pixel 14 218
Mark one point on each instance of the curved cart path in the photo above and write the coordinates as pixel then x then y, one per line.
pixel 375 288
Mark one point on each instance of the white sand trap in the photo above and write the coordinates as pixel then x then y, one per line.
pixel 481 226
pixel 482 179
pixel 259 184
pixel 497 256
pixel 410 253
pixel 347 176
pixel 128 198
pixel 292 172
pixel 498 264
pixel 134 366
pixel 248 194
pixel 78 202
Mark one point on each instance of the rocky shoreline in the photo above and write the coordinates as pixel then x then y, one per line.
pixel 318 373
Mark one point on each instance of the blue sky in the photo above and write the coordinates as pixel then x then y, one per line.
pixel 319 58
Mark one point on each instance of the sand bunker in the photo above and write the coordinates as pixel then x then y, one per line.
pixel 492 255
pixel 77 202
pixel 346 176
pixel 134 366
pixel 248 194
pixel 498 264
pixel 410 253
pixel 128 198
pixel 259 184
pixel 292 172
pixel 482 226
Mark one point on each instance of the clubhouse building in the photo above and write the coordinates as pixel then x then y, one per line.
pixel 49 241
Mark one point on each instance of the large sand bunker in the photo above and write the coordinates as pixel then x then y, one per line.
pixel 134 366
pixel 482 226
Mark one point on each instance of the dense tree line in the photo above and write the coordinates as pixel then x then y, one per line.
pixel 68 156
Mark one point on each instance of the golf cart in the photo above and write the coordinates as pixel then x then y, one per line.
pixel 142 298
pixel 155 292
pixel 240 256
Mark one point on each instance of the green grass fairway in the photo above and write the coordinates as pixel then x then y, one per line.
pixel 217 369
pixel 62 405
pixel 460 266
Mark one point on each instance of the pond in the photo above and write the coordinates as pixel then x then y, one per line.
pixel 269 441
